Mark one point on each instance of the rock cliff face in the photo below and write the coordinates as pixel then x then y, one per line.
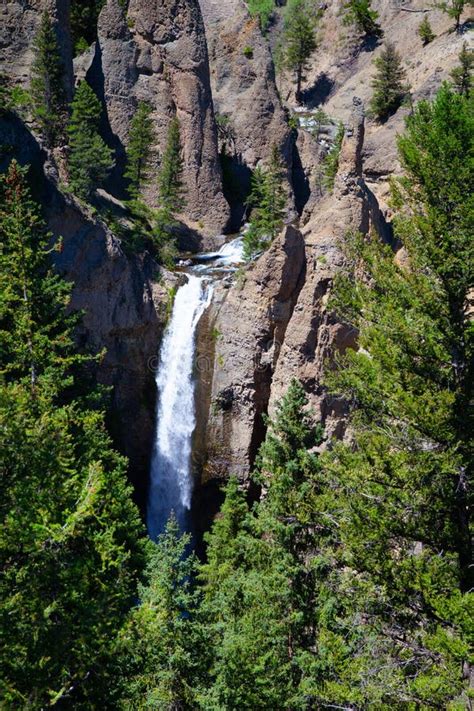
pixel 244 89
pixel 156 52
pixel 277 326
pixel 19 22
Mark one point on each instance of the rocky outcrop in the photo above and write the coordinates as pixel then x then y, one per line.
pixel 277 324
pixel 156 52
pixel 19 22
pixel 250 325
pixel 244 88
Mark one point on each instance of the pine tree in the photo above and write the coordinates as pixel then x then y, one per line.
pixel 331 161
pixel 454 9
pixel 34 339
pixel 140 141
pixel 84 16
pixel 299 40
pixel 159 647
pixel 70 541
pixel 47 87
pixel 90 159
pixel 360 14
pixel 389 84
pixel 401 487
pixel 462 75
pixel 170 194
pixel 425 31
pixel 267 199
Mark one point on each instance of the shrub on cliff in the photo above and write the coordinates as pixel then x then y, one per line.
pixel 360 14
pixel 462 74
pixel 90 159
pixel 425 31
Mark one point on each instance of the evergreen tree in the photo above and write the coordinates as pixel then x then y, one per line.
pixel 90 159
pixel 47 88
pixel 454 9
pixel 360 14
pixel 140 141
pixel 402 486
pixel 462 75
pixel 34 330
pixel 84 16
pixel 389 84
pixel 170 194
pixel 70 541
pixel 160 646
pixel 258 583
pixel 267 199
pixel 425 31
pixel 299 40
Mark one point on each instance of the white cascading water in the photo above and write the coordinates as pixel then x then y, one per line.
pixel 171 474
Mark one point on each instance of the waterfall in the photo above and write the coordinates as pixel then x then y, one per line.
pixel 171 474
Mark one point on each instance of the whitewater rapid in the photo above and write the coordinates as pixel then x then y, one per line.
pixel 171 476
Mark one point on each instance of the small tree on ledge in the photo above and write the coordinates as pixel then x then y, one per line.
pixel 389 84
pixel 360 14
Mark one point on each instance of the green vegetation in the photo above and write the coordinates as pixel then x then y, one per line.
pixel 454 9
pixel 139 149
pixel 299 39
pixel 462 74
pixel 47 89
pixel 267 200
pixel 71 540
pixel 263 9
pixel 170 195
pixel 248 52
pixel 331 161
pixel 425 31
pixel 12 98
pixel 389 84
pixel 360 14
pixel 90 159
pixel 84 15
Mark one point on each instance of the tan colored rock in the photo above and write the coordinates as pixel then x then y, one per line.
pixel 156 52
pixel 251 321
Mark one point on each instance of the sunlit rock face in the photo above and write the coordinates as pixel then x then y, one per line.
pixel 156 52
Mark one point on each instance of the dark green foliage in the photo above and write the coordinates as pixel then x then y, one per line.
pixel 267 199
pixel 401 488
pixel 425 31
pixel 454 9
pixel 462 74
pixel 389 84
pixel 84 14
pixel 139 149
pixel 360 14
pixel 71 542
pixel 170 195
pixel 34 336
pixel 47 83
pixel 299 39
pixel 331 161
pixel 160 646
pixel 90 159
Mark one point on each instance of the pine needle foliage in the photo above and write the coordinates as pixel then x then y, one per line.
pixel 425 31
pixel 361 14
pixel 47 84
pixel 90 159
pixel 299 40
pixel 139 149
pixel 462 74
pixel 389 84
pixel 267 200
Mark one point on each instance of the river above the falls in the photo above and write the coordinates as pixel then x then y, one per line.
pixel 171 475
